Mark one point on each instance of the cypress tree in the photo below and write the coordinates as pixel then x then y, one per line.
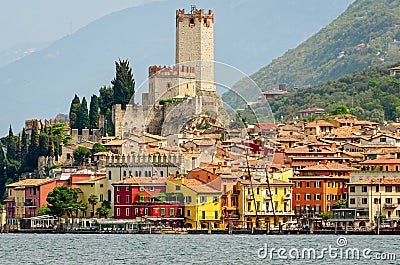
pixel 94 113
pixel 74 113
pixel 123 84
pixel 24 144
pixel 83 116
pixel 11 145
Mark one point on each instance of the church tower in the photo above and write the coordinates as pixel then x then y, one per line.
pixel 195 45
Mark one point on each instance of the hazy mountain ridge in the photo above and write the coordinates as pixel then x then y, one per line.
pixel 43 83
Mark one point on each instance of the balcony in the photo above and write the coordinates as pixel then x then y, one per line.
pixel 266 197
pixel 389 206
pixel 287 196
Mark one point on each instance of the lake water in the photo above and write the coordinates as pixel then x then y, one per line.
pixel 191 249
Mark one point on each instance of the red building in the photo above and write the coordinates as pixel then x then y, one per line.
pixel 145 197
pixel 25 197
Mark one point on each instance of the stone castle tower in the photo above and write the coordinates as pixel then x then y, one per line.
pixel 195 45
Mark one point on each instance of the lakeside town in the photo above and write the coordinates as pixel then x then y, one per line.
pixel 172 164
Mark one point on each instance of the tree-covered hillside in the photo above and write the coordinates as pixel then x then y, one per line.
pixel 364 35
pixel 371 94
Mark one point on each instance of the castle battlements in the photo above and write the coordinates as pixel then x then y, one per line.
pixel 195 14
pixel 144 160
pixel 181 71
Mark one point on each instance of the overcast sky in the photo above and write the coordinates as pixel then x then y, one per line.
pixel 35 21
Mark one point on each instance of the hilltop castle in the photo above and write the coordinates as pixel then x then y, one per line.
pixel 189 83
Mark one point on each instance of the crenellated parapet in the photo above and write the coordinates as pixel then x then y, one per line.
pixel 144 160
pixel 194 15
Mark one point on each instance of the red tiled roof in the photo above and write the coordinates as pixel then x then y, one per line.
pixel 381 160
pixel 381 181
pixel 266 126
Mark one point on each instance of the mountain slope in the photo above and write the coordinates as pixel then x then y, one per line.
pixel 372 94
pixel 361 37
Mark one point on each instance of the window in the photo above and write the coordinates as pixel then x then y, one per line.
pixel 216 215
pixel 258 206
pixel 307 184
pixel 249 206
pixel 216 199
pixel 376 188
pixel 152 188
pixel 364 200
pixel 382 140
pixel 317 184
pixel 118 188
pixel 398 200
pixel 136 211
pixel 109 175
pixel 203 214
pixel 141 188
pixel 398 189
pixel 298 184
pixel 352 189
pixel 352 201
pixel 188 199
pixel 146 211
pixel 329 184
pixel 118 198
pixel 127 211
pixel 333 184
pixel 188 213
pixel 258 191
pixel 101 185
pixel 328 197
pixel 276 191
pixel 376 200
pixel 307 197
pixel 333 197
pixel 388 188
pixel 203 199
pixel 118 211
pixel 329 208
pixel 297 197
pixel 101 197
pixel 124 173
pixel 127 198
pixel 171 211
pixel 127 188
pixel 317 197
pixel 388 200
pixel 177 187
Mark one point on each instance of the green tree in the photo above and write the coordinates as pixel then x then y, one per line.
pixel 44 210
pixel 74 113
pixel 61 199
pixel 106 99
pixel 94 113
pixel 97 148
pixel 104 209
pixel 340 110
pixel 81 154
pixel 44 145
pixel 93 200
pixel 83 116
pixel 24 144
pixel 340 204
pixel 11 145
pixel 33 150
pixel 123 84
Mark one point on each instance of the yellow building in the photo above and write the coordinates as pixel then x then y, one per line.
pixel 19 193
pixel 96 186
pixel 202 203
pixel 257 204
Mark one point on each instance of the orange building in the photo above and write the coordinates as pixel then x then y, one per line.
pixel 317 188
